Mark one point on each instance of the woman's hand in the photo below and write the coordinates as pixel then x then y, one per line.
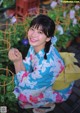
pixel 14 55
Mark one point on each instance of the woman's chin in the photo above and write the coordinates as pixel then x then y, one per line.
pixel 32 44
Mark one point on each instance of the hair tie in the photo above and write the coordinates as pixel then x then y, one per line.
pixel 54 40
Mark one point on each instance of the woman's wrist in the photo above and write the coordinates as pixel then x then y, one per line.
pixel 17 62
pixel 19 66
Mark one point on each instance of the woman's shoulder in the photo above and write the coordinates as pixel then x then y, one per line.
pixel 54 51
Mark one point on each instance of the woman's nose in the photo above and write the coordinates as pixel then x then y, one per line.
pixel 35 33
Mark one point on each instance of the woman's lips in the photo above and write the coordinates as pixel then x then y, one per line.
pixel 33 40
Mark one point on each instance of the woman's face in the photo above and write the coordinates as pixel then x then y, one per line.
pixel 37 38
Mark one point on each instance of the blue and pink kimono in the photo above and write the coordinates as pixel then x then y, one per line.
pixel 33 87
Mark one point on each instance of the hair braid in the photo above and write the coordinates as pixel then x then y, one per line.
pixel 47 46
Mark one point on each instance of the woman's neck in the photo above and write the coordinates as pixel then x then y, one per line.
pixel 37 49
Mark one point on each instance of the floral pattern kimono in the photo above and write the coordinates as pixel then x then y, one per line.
pixel 33 87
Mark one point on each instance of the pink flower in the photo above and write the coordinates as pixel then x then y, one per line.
pixel 22 98
pixel 30 57
pixel 24 75
pixel 40 95
pixel 35 68
pixel 59 98
pixel 36 98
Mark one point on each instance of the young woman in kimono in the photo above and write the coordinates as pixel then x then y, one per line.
pixel 37 73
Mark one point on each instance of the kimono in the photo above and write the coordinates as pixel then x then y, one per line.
pixel 33 87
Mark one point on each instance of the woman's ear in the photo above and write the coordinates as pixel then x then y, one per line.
pixel 48 39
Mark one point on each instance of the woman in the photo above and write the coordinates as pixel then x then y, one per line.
pixel 37 73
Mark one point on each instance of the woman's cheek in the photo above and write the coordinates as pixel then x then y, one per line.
pixel 29 34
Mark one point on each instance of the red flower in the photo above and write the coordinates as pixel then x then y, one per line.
pixel 35 99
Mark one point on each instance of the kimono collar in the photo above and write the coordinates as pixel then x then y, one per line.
pixel 40 53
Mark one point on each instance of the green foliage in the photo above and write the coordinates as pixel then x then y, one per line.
pixel 70 31
pixel 15 33
pixel 75 30
pixel 56 13
pixel 8 3
pixel 1 34
pixel 3 54
pixel 7 97
pixel 63 40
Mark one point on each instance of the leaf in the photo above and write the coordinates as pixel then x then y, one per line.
pixel 3 78
pixel 11 97
pixel 2 99
pixel 9 88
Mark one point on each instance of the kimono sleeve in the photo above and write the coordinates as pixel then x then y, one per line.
pixel 27 61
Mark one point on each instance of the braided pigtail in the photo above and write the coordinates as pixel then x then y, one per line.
pixel 47 47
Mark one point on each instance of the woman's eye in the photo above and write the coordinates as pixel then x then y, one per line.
pixel 40 32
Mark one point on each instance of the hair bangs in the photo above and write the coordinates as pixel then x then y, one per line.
pixel 40 25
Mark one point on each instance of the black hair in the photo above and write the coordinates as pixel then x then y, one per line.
pixel 48 27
